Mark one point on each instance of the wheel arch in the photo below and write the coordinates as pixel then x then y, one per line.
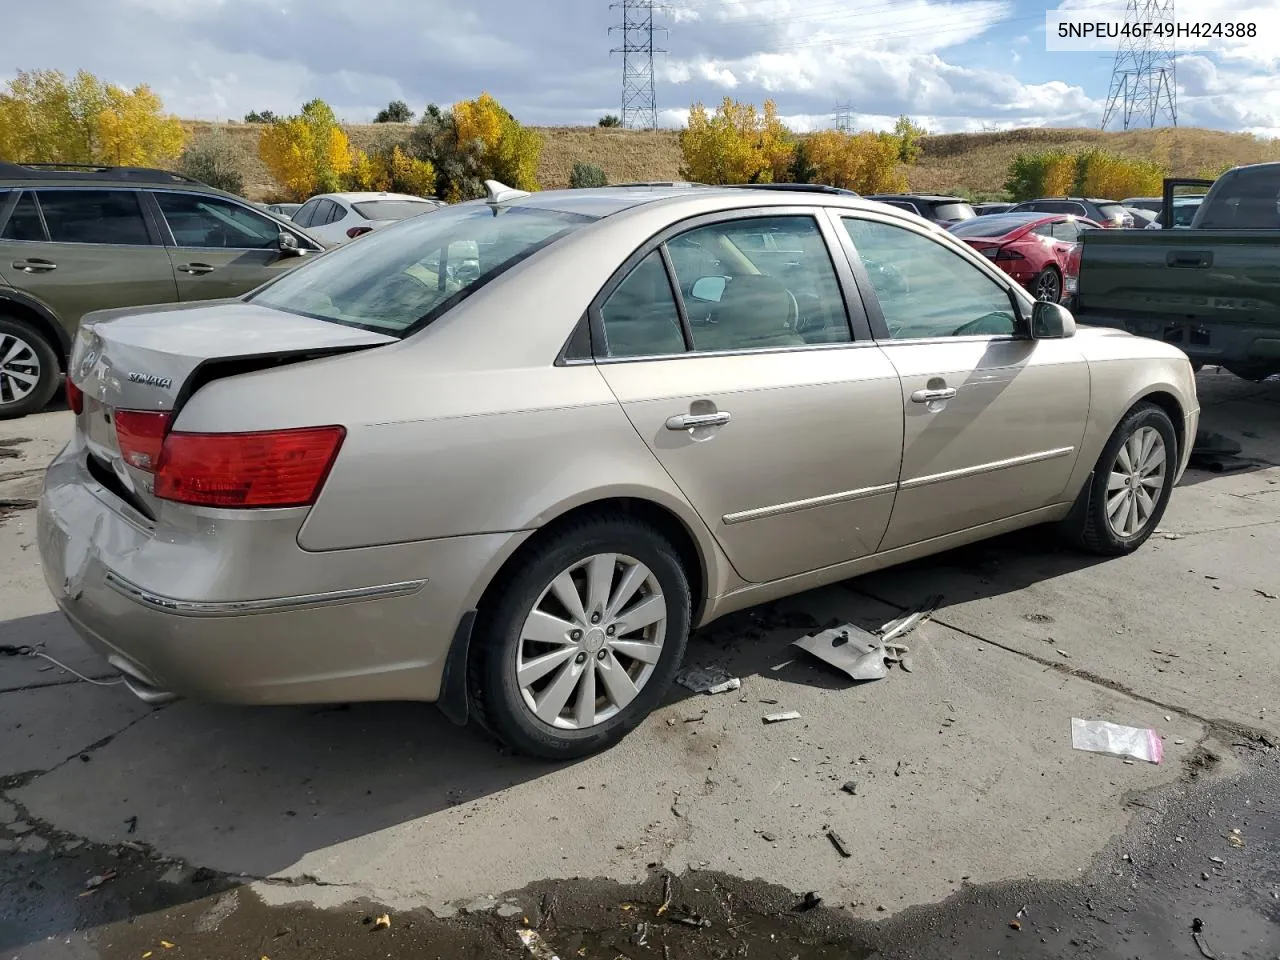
pixel 42 320
pixel 1171 405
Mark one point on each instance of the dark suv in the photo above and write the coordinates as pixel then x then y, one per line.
pixel 78 239
pixel 942 210
pixel 1107 213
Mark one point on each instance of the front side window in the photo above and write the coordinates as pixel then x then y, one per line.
pixel 94 216
pixel 1067 230
pixel 399 279
pixel 24 223
pixel 926 290
pixel 198 221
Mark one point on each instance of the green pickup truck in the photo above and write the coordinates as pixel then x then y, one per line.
pixel 1213 289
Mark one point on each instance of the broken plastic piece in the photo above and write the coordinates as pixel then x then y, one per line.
pixel 1099 736
pixel 850 649
pixel 908 622
pixel 733 683
pixel 383 922
pixel 704 679
pixel 837 841
pixel 781 717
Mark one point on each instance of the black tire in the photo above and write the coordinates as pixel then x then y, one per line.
pixel 495 692
pixel 1253 372
pixel 1048 277
pixel 1087 526
pixel 45 365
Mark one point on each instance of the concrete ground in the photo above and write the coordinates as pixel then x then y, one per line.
pixel 964 770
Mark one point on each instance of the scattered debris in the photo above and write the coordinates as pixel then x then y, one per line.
pixel 837 841
pixel 1263 593
pixel 907 664
pixel 905 624
pixel 132 824
pixel 1197 934
pixel 770 837
pixel 897 771
pixel 850 787
pixel 782 717
pixel 93 883
pixel 1218 860
pixel 536 946
pixel 687 918
pixel 850 649
pixel 1038 618
pixel 666 895
pixel 712 679
pixel 1099 736
pixel 383 922
pixel 1015 924
pixel 809 901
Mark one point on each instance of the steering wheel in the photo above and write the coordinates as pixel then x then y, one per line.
pixel 793 313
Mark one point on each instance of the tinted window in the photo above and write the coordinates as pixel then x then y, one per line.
pixel 386 281
pixel 327 212
pixel 24 223
pixel 94 216
pixel 953 211
pixel 198 221
pixel 1113 212
pixel 902 205
pixel 1067 230
pixel 640 317
pixel 992 225
pixel 391 209
pixel 926 290
pixel 303 217
pixel 1185 211
pixel 759 283
pixel 1247 200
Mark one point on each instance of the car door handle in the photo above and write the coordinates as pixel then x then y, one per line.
pixel 1197 260
pixel 34 266
pixel 689 421
pixel 928 396
pixel 196 268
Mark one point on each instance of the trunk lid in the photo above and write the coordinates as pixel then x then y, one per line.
pixel 135 367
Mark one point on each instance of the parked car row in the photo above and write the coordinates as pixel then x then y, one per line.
pixel 629 412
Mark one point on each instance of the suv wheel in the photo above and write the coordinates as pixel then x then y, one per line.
pixel 583 640
pixel 28 370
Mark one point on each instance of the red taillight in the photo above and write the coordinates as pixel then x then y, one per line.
pixel 279 468
pixel 75 397
pixel 140 434
pixel 357 231
pixel 1004 253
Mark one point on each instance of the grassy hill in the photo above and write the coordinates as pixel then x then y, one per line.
pixel 970 163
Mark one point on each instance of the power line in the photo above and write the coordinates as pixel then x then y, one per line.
pixel 639 97
pixel 843 118
pixel 1143 79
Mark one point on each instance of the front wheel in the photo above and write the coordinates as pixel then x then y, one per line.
pixel 1121 506
pixel 28 370
pixel 583 640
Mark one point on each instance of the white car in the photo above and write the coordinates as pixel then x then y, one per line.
pixel 334 218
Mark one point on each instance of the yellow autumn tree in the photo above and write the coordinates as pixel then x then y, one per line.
pixel 498 145
pixel 48 117
pixel 1103 174
pixel 393 171
pixel 736 144
pixel 307 153
pixel 865 162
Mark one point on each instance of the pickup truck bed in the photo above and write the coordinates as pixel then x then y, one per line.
pixel 1213 293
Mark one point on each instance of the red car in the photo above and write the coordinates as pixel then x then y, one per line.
pixel 1033 248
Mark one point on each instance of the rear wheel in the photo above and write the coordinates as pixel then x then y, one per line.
pixel 583 639
pixel 1121 506
pixel 28 370
pixel 1047 285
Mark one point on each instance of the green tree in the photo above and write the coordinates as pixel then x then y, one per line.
pixel 214 158
pixel 260 116
pixel 610 120
pixel 908 135
pixel 587 175
pixel 476 140
pixel 397 111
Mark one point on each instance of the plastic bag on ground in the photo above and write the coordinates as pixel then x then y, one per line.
pixel 1098 736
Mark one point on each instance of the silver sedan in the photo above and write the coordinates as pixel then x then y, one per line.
pixel 506 456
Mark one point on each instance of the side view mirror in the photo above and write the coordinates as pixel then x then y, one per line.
pixel 1051 321
pixel 289 245
pixel 710 289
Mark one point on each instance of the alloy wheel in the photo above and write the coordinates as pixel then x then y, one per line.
pixel 591 642
pixel 1136 482
pixel 19 368
pixel 1047 287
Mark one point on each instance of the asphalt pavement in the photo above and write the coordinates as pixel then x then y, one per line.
pixel 971 826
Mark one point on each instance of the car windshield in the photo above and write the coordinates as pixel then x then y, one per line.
pixel 391 209
pixel 954 211
pixel 399 279
pixel 993 225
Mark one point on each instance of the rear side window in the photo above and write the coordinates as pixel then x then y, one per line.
pixel 640 317
pixel 1067 230
pixel 24 223
pixel 304 213
pixel 111 217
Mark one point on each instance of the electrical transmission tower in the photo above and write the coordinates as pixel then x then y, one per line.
pixel 639 101
pixel 1143 80
pixel 844 118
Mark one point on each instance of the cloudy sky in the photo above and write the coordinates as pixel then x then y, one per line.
pixel 953 64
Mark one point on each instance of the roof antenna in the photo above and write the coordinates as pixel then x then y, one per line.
pixel 501 193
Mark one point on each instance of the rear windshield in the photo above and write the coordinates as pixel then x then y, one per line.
pixel 993 224
pixel 953 211
pixel 399 279
pixel 391 209
pixel 1112 211
pixel 1244 200
pixel 1184 211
